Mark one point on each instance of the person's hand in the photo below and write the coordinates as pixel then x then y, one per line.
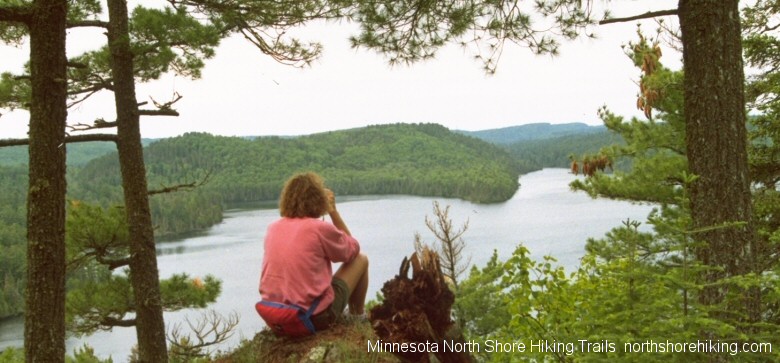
pixel 331 200
pixel 334 214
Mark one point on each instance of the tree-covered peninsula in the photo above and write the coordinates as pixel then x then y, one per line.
pixel 422 159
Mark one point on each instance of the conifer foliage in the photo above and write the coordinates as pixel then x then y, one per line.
pixel 650 281
pixel 98 297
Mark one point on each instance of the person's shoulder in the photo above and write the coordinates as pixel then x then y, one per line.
pixel 286 223
pixel 319 223
pixel 278 222
pixel 308 221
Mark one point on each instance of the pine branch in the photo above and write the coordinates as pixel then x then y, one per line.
pixel 68 139
pixel 168 112
pixel 163 109
pixel 174 188
pixel 94 88
pixel 109 321
pixel 647 15
pixel 16 14
pixel 99 253
pixel 98 124
pixel 112 264
pixel 90 137
pixel 14 142
pixel 87 23
pixel 77 65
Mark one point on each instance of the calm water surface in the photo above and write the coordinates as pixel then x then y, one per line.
pixel 544 215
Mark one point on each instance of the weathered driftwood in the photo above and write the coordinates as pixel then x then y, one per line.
pixel 418 310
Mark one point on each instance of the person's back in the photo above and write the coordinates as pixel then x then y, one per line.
pixel 299 250
pixel 297 260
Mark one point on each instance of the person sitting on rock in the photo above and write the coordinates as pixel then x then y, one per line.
pixel 299 250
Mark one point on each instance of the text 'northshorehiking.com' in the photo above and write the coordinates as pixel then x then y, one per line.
pixel 582 346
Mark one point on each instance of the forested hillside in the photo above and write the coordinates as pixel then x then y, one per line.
pixel 78 154
pixel 542 145
pixel 555 152
pixel 427 160
pixel 534 131
pixel 13 184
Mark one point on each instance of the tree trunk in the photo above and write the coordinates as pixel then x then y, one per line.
pixel 716 141
pixel 44 329
pixel 144 275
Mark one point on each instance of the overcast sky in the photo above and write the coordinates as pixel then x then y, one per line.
pixel 243 92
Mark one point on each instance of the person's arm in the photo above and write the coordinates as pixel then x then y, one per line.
pixel 335 217
pixel 338 221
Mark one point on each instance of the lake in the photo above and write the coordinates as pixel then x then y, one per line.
pixel 544 215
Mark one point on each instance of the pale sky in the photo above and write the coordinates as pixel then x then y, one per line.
pixel 243 92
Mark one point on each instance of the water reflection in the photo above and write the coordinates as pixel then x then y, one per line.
pixel 162 251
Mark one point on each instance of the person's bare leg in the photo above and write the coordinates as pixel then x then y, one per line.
pixel 355 274
pixel 357 300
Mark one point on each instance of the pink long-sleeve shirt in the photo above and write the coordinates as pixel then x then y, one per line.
pixel 297 261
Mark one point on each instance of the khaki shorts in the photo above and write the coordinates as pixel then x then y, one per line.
pixel 327 317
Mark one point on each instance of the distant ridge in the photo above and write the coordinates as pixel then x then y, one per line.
pixel 78 153
pixel 512 137
pixel 531 132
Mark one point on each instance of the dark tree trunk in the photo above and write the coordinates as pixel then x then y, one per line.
pixel 716 141
pixel 144 275
pixel 44 329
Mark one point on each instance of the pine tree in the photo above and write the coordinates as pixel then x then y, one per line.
pixel 99 299
pixel 45 292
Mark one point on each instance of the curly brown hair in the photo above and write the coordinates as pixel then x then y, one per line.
pixel 303 196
